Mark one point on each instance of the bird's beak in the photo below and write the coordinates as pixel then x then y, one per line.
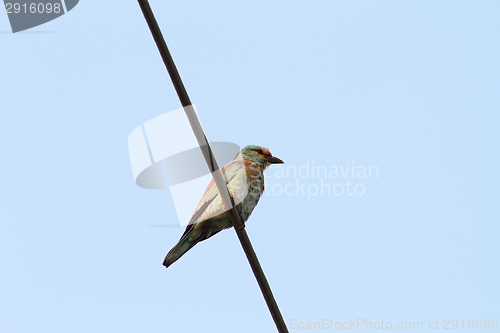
pixel 274 160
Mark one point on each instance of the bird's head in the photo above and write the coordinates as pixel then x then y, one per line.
pixel 259 155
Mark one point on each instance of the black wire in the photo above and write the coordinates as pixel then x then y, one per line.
pixel 210 159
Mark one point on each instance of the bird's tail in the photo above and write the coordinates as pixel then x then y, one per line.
pixel 178 251
pixel 188 240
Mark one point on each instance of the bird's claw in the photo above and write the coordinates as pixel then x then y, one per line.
pixel 242 226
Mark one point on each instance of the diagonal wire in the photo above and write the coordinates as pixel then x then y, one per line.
pixel 214 168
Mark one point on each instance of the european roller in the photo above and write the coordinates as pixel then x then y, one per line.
pixel 245 179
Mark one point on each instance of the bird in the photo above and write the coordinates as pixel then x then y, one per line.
pixel 245 181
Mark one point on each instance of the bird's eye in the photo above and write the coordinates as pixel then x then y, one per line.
pixel 260 151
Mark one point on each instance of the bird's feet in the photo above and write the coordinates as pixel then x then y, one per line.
pixel 242 226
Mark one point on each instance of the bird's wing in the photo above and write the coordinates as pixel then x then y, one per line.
pixel 211 203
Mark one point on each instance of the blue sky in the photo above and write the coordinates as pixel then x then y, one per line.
pixel 411 88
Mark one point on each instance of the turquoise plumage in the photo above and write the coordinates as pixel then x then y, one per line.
pixel 245 177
